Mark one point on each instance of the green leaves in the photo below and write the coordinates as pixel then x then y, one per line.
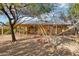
pixel 37 9
pixel 0 6
pixel 74 10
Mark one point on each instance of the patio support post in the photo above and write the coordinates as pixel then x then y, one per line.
pixel 56 29
pixel 2 30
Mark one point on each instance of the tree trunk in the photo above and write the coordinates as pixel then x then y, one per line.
pixel 11 26
pixel 12 32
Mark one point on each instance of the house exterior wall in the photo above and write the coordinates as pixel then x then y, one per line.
pixel 44 29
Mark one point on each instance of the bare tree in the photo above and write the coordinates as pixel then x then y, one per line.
pixel 16 11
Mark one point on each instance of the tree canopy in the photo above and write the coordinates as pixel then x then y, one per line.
pixel 32 9
pixel 74 10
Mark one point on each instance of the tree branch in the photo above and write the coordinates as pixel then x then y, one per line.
pixel 3 23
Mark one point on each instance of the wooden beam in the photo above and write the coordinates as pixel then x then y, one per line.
pixel 19 29
pixel 56 29
pixel 26 29
pixel 2 30
pixel 50 30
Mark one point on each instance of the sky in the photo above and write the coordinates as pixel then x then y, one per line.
pixel 3 18
pixel 62 7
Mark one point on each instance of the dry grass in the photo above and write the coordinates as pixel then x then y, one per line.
pixel 35 45
pixel 28 46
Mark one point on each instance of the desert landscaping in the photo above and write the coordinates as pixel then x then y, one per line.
pixel 33 45
pixel 44 29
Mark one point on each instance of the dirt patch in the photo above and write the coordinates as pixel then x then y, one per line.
pixel 33 45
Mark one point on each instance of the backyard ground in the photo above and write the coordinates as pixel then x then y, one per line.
pixel 36 45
